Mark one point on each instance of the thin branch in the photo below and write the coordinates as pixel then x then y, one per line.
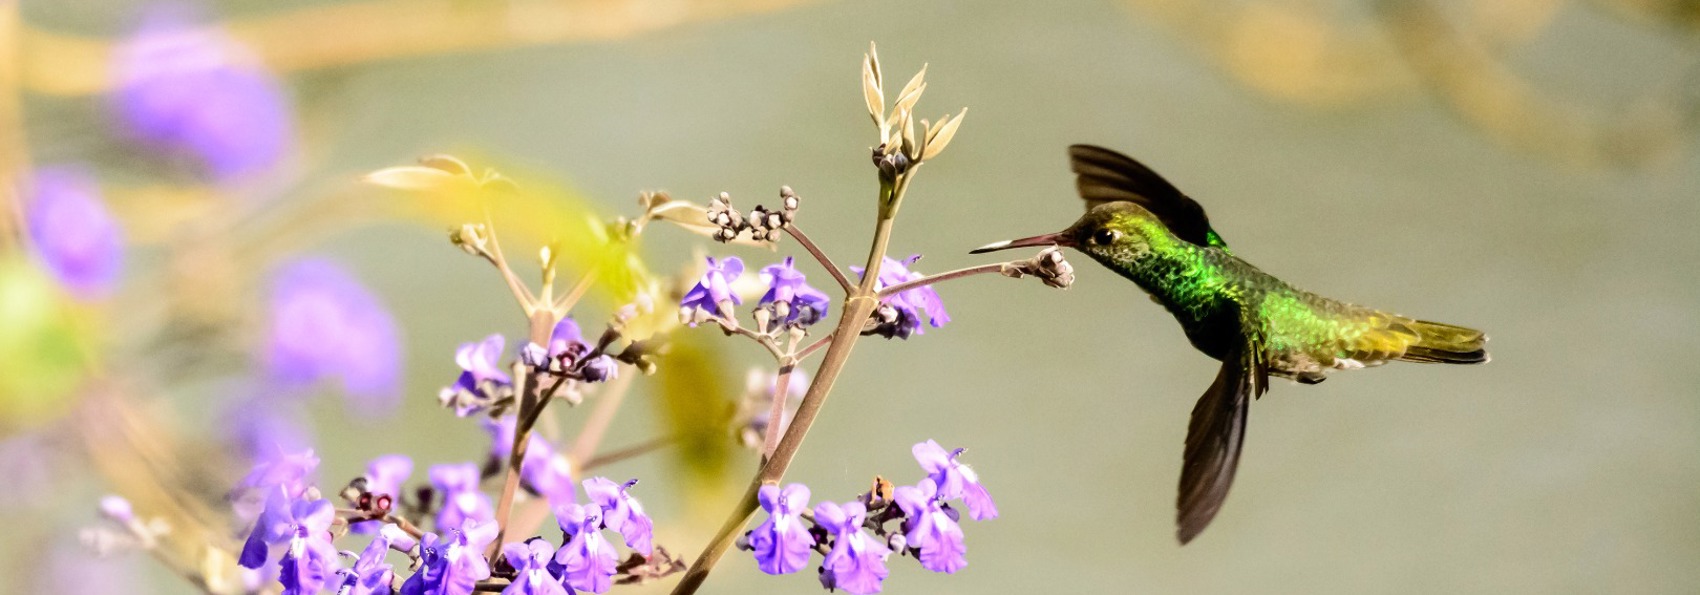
pixel 636 450
pixel 601 416
pixel 821 257
pixel 931 279
pixel 815 346
pixel 731 327
pixel 566 303
pixel 521 292
pixel 776 413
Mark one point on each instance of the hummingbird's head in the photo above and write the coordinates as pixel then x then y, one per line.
pixel 1111 232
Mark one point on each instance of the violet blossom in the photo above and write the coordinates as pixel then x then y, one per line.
pixel 73 234
pixel 567 351
pixel 622 513
pixel 482 380
pixel 955 480
pixel 782 543
pixel 712 295
pixel 531 569
pixel 856 562
pixel 462 502
pixel 452 565
pixel 587 562
pixel 790 300
pixel 310 559
pixel 931 529
pixel 370 574
pixel 325 325
pixel 194 91
pixel 910 306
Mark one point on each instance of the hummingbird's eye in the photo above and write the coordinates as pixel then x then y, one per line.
pixel 1105 237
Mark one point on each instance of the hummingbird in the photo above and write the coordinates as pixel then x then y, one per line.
pixel 1146 230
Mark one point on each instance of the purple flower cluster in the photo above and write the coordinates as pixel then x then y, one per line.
pixel 450 561
pixel 712 295
pixel 790 302
pixel 482 381
pixel 928 526
pixel 485 386
pixel 73 234
pixel 192 91
pixel 325 325
pixel 901 315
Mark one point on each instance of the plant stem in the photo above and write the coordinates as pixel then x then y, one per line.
pixel 596 426
pixel 931 279
pixel 821 257
pixel 815 346
pixel 859 305
pixel 531 407
pixel 776 413
pixel 635 450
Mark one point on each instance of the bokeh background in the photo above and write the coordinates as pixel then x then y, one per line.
pixel 1524 167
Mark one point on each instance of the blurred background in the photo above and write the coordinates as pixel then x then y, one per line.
pixel 1525 167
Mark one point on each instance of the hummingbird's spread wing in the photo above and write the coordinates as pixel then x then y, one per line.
pixel 1215 436
pixel 1105 176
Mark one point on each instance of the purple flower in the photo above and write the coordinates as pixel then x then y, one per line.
pixel 531 563
pixel 291 471
pixel 782 542
pixel 931 529
pixel 462 502
pixel 305 525
pixel 911 305
pixel 384 476
pixel 547 473
pixel 194 91
pixel 481 379
pixel 587 561
pixel 793 302
pixel 713 294
pixel 74 235
pixel 856 563
pixel 452 565
pixel 370 575
pixel 567 352
pixel 955 480
pixel 566 340
pixel 326 325
pixel 622 513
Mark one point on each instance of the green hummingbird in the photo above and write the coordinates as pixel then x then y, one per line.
pixel 1143 228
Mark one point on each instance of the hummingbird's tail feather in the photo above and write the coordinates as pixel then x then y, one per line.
pixel 1446 344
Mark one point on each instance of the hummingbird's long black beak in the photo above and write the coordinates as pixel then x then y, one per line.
pixel 1049 239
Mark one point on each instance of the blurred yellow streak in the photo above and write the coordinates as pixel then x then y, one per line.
pixel 361 32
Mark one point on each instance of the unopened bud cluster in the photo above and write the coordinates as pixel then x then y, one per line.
pixel 1048 265
pixel 762 223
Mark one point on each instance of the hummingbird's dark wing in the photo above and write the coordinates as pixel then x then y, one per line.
pixel 1215 436
pixel 1105 176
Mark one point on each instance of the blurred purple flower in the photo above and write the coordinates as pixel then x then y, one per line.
pixel 793 301
pixel 856 563
pixel 911 305
pixel 260 428
pixel 622 513
pixel 546 472
pixel 713 294
pixel 931 529
pixel 325 324
pixel 587 561
pixel 290 470
pixel 531 565
pixel 462 502
pixel 955 480
pixel 782 542
pixel 194 91
pixel 74 235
